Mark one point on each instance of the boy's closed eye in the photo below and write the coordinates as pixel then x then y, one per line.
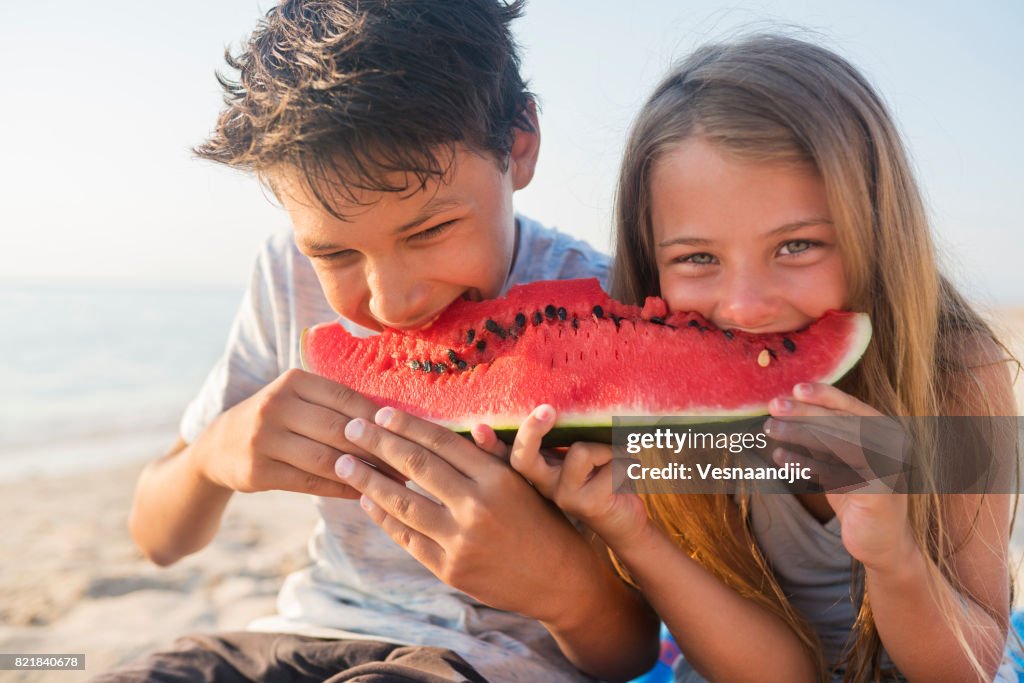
pixel 432 232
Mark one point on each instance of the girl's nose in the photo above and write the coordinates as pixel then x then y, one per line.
pixel 747 303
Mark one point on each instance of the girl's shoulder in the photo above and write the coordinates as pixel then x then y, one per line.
pixel 979 376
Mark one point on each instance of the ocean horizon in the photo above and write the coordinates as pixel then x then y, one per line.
pixel 93 374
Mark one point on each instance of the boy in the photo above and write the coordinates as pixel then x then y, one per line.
pixel 394 134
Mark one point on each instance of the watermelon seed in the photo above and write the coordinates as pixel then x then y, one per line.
pixel 481 345
pixel 550 312
pixel 537 318
pixel 615 319
pixel 693 323
pixel 460 364
pixel 452 356
pixel 575 323
pixel 494 328
pixel 772 354
pixel 729 335
pixel 470 336
pixel 439 368
pixel 704 329
pixel 598 312
pixel 520 321
pixel 764 358
pixel 427 367
pixel 414 365
pixel 788 343
pixel 562 313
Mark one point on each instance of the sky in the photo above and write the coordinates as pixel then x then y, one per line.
pixel 102 102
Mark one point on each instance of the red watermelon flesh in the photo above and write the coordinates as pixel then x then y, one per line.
pixel 568 344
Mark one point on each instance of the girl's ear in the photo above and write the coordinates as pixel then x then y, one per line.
pixel 525 147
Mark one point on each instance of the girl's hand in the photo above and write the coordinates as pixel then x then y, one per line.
pixel 580 483
pixel 875 527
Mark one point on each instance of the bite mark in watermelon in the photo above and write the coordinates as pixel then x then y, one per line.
pixel 568 344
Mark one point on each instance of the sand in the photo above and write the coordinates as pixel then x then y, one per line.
pixel 71 580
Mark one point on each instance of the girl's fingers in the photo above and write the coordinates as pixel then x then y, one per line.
pixel 582 460
pixel 825 438
pixel 828 396
pixel 486 439
pixel 525 456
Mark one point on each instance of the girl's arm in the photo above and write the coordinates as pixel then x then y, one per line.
pixel 906 596
pixel 724 636
pixel 916 632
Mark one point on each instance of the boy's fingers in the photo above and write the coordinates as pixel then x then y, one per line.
pixel 284 477
pixel 451 449
pixel 421 465
pixel 324 392
pixel 408 507
pixel 324 426
pixel 425 550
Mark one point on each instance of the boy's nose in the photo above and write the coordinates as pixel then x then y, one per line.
pixel 398 298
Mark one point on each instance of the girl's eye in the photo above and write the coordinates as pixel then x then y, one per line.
pixel 797 246
pixel 702 259
pixel 433 232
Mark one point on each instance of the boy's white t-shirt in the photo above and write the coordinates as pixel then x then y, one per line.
pixel 361 584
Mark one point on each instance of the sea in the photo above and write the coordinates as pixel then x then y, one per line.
pixel 91 377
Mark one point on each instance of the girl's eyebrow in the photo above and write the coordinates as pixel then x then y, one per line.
pixel 775 232
pixel 792 227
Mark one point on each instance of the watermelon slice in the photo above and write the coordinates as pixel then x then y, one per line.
pixel 568 344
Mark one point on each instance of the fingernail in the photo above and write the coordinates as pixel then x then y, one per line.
pixel 779 456
pixel 355 428
pixel 782 405
pixel 803 389
pixel 365 503
pixel 345 466
pixel 544 413
pixel 767 428
pixel 384 416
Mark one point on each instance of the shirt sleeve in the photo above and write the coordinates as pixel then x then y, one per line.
pixel 250 359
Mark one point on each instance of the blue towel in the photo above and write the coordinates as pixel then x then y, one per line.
pixel 662 671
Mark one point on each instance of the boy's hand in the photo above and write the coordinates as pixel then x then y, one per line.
pixel 580 483
pixel 486 531
pixel 287 436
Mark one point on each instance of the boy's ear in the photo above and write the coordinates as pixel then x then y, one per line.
pixel 525 147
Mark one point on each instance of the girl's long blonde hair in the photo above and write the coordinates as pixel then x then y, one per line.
pixel 776 99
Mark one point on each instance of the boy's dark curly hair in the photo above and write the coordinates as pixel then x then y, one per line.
pixel 360 94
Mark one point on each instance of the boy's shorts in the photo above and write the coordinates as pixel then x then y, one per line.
pixel 244 656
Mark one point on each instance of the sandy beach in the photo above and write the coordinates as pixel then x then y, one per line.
pixel 71 580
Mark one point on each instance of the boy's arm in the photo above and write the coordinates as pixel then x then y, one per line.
pixel 287 436
pixel 494 537
pixel 175 511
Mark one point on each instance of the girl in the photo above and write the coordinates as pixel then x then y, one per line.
pixel 763 184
